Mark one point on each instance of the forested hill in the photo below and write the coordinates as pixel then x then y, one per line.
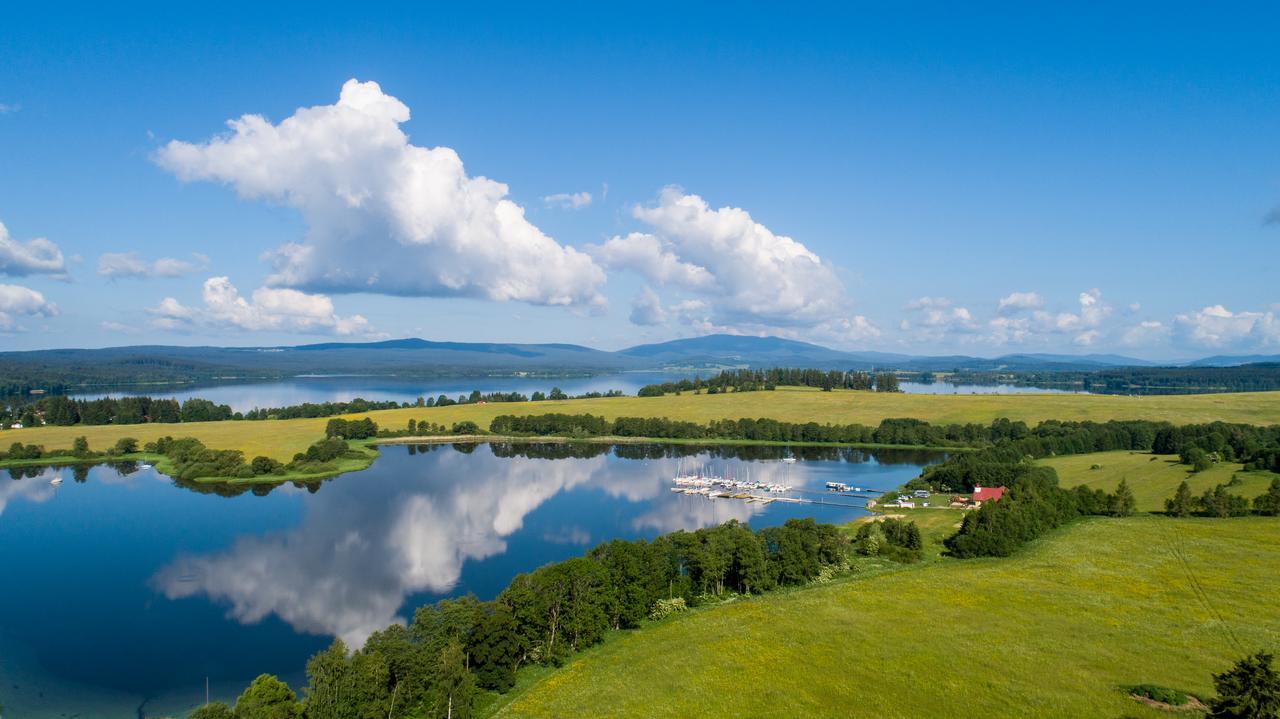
pixel 58 370
pixel 1262 376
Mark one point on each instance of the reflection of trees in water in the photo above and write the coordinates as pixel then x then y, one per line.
pixel 909 456
pixel 549 450
pixel 745 452
pixel 225 489
pixel 33 487
pixel 124 468
pixel 16 473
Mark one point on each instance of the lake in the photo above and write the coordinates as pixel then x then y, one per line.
pixel 122 587
pixel 242 396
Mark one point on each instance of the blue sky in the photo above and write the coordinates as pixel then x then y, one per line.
pixel 1073 179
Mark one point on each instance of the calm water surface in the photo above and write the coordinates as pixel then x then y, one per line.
pixel 243 397
pixel 121 586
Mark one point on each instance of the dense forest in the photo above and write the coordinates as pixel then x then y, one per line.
pixel 1258 377
pixel 66 411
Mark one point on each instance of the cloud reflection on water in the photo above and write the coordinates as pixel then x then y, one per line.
pixel 368 541
pixel 33 487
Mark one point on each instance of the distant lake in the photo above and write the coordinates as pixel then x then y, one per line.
pixel 121 586
pixel 244 396
pixel 948 388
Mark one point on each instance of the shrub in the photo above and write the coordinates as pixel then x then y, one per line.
pixel 351 429
pixel 265 465
pixel 465 427
pixel 18 450
pixel 1157 693
pixel 1269 504
pixel 326 450
pixel 666 607
pixel 1218 502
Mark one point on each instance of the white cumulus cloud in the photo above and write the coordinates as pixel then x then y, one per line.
pixel 384 215
pixel 17 301
pixel 1145 334
pixel 568 200
pixel 1016 301
pixel 646 308
pixel 746 275
pixel 936 316
pixel 33 257
pixel 269 308
pixel 116 265
pixel 647 255
pixel 1217 326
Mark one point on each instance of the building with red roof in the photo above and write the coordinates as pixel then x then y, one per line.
pixel 987 494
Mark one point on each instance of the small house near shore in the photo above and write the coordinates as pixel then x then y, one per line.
pixel 987 494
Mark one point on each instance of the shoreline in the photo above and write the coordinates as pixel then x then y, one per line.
pixel 369 447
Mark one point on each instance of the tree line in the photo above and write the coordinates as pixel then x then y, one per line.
pixel 62 410
pixel 752 380
pixel 1034 503
pixel 1255 377
pixel 451 649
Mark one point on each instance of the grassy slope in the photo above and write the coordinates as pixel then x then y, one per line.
pixel 1144 599
pixel 1153 478
pixel 282 439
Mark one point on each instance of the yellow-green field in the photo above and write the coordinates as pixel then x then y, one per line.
pixel 1053 632
pixel 281 439
pixel 1153 478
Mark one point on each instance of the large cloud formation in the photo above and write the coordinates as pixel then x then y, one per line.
pixel 743 273
pixel 34 257
pixel 17 301
pixel 269 309
pixel 1217 326
pixel 384 215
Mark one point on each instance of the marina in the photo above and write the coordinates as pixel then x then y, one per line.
pixel 713 486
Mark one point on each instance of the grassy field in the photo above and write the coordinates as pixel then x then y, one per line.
pixel 281 439
pixel 1153 478
pixel 1053 632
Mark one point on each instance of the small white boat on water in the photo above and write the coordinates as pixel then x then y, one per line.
pixel 789 460
pixel 56 481
pixel 144 465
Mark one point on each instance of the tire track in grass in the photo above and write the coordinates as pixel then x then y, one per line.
pixel 1178 550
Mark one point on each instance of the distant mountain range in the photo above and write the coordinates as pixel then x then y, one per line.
pixel 157 363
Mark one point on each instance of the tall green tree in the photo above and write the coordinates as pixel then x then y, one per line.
pixel 329 692
pixel 1122 502
pixel 214 710
pixel 1182 503
pixel 268 698
pixel 1249 690
pixel 455 685
pixel 1269 504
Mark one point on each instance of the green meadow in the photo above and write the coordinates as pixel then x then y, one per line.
pixel 1153 478
pixel 1055 631
pixel 283 438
